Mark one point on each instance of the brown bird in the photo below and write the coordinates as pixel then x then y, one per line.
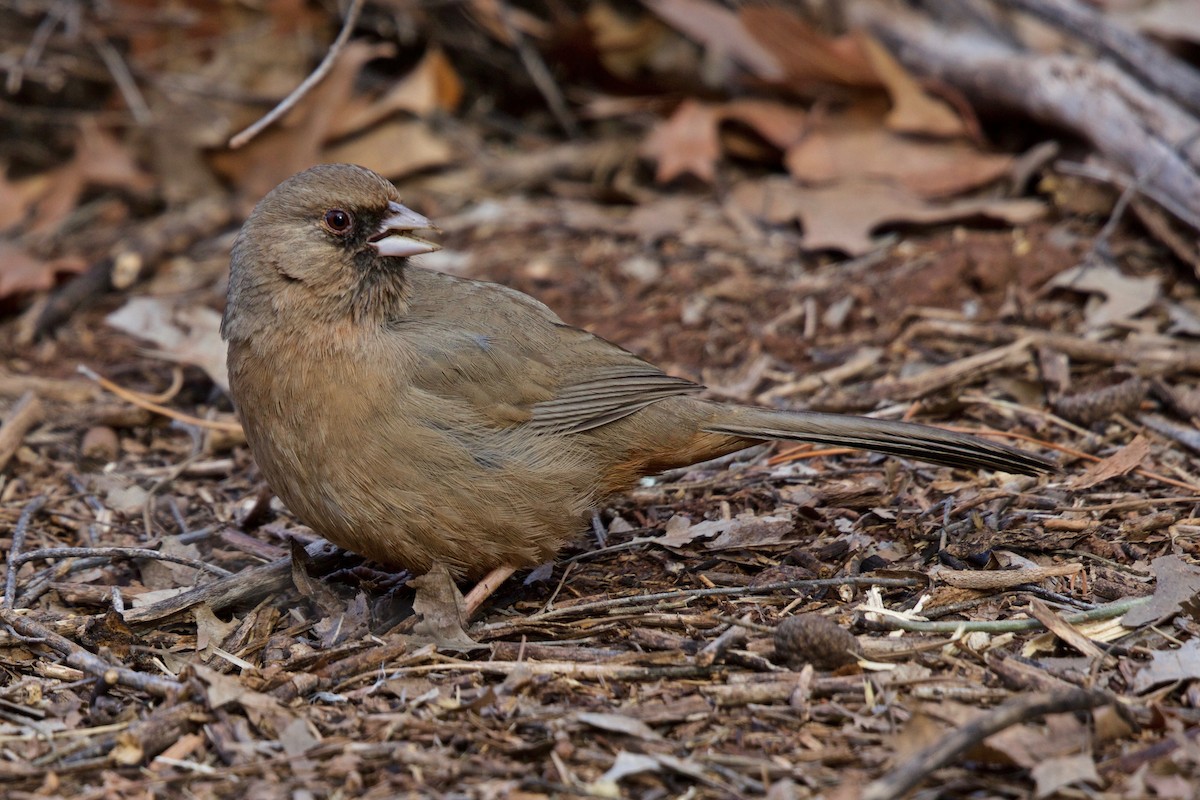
pixel 415 417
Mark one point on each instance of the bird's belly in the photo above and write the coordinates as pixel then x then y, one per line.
pixel 428 485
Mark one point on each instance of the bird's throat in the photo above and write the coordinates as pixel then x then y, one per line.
pixel 380 292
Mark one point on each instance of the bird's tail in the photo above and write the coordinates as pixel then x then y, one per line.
pixel 905 439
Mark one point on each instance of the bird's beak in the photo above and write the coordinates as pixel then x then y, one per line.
pixel 394 236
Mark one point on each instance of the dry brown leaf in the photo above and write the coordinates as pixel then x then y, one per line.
pixel 690 140
pixel 748 532
pixel 209 627
pixel 741 532
pixel 687 142
pixel 395 148
pixel 16 199
pixel 187 335
pixel 1054 774
pixel 1122 462
pixel 913 109
pixel 721 32
pixel 103 161
pixel 1168 666
pixel 1058 735
pixel 431 86
pixel 846 148
pixel 842 217
pixel 1123 297
pixel 805 55
pixel 625 45
pixel 781 125
pixel 1177 586
pixel 294 143
pixel 618 723
pixel 441 608
pixel 20 272
pixel 161 574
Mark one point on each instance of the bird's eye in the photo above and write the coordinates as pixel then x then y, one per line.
pixel 338 221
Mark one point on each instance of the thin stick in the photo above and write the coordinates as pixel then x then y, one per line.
pixel 687 594
pixel 1117 609
pixel 304 88
pixel 539 72
pixel 79 658
pixel 117 552
pixel 141 402
pixel 485 588
pixel 18 542
pixel 912 772
pixel 24 414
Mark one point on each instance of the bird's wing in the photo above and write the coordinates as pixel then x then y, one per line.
pixel 606 394
pixel 511 359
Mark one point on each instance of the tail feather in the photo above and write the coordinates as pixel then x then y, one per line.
pixel 905 439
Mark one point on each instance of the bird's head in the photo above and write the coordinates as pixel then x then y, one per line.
pixel 331 241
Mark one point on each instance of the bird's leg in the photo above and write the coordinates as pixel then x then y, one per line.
pixel 485 588
pixel 598 530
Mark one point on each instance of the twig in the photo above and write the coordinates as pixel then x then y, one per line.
pixel 79 658
pixel 1152 64
pixel 116 552
pixel 24 414
pixel 481 591
pixel 716 649
pixel 688 594
pixel 317 75
pixel 37 43
pixel 18 543
pixel 1108 611
pixel 614 672
pixel 912 772
pixel 1124 120
pixel 540 73
pixel 141 402
pixel 1120 180
pixel 330 675
pixel 247 586
pixel 123 78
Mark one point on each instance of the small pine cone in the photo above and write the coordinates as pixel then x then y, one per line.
pixel 1088 407
pixel 814 639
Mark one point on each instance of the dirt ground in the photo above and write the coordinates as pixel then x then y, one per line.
pixel 786 623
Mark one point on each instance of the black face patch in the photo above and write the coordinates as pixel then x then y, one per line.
pixel 366 223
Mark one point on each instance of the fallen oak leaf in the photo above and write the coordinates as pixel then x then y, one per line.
pixel 441 609
pixel 842 217
pixel 1057 773
pixel 1124 296
pixel 687 142
pixel 913 109
pixel 1177 584
pixel 432 85
pixel 1169 666
pixel 805 55
pixel 1122 462
pixel 21 272
pixel 722 32
pixel 188 335
pixel 854 146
